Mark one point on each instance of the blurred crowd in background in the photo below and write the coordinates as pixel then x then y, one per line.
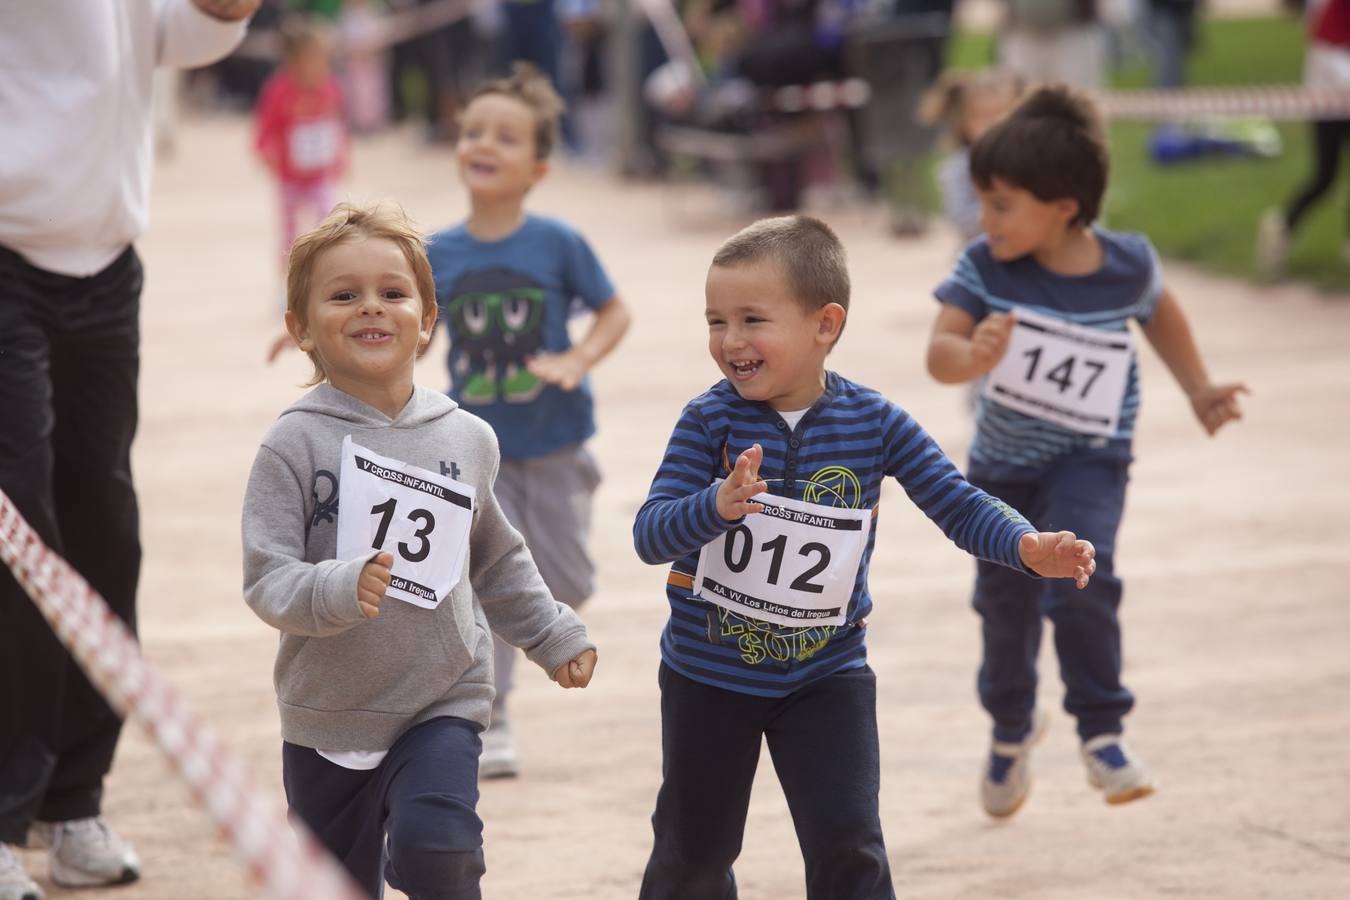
pixel 721 89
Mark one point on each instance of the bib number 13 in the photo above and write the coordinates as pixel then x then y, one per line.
pixel 740 546
pixel 423 518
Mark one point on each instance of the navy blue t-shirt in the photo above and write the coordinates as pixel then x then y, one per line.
pixel 505 301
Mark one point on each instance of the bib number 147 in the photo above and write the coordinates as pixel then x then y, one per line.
pixel 1062 372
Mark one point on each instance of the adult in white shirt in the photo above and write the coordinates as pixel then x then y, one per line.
pixel 76 147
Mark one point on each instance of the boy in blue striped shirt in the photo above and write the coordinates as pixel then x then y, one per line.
pixel 1038 310
pixel 768 588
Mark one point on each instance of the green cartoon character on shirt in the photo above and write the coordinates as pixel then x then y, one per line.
pixel 494 319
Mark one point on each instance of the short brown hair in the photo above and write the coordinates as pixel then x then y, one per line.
pixel 1052 146
pixel 809 254
pixel 531 87
pixel 299 33
pixel 347 221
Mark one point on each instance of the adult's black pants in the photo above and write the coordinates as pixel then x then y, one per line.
pixel 69 359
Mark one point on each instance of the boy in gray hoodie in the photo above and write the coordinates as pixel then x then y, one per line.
pixel 373 542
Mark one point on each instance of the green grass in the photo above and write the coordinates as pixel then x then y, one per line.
pixel 1206 211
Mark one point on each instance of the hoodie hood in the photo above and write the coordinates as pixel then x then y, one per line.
pixel 424 407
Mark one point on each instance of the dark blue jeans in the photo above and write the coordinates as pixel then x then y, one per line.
pixel 1084 492
pixel 423 797
pixel 69 364
pixel 823 740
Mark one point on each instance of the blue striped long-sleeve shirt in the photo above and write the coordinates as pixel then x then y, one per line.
pixel 1011 445
pixel 837 455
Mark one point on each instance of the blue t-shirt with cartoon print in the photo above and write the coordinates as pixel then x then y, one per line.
pixel 505 301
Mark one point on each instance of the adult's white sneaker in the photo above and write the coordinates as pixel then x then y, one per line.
pixel 14 881
pixel 88 853
pixel 1272 244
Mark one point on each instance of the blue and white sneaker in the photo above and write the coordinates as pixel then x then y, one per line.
pixel 1114 771
pixel 1007 777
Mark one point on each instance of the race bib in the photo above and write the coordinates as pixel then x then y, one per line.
pixel 314 145
pixel 1063 373
pixel 419 516
pixel 794 564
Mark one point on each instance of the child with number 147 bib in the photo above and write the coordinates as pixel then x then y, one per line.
pixel 1038 313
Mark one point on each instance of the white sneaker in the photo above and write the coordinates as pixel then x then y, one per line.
pixel 1113 770
pixel 14 881
pixel 87 853
pixel 499 753
pixel 1007 777
pixel 1272 243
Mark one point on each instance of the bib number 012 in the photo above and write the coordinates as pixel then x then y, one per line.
pixel 740 544
pixel 793 563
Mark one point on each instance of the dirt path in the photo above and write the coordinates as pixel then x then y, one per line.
pixel 1235 553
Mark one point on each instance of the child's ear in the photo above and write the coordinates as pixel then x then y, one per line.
pixel 540 170
pixel 427 329
pixel 1067 208
pixel 298 331
pixel 829 322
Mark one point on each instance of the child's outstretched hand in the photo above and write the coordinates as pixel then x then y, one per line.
pixel 563 369
pixel 372 583
pixel 1216 405
pixel 733 496
pixel 1059 554
pixel 989 340
pixel 577 673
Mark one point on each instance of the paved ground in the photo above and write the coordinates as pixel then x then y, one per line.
pixel 1234 553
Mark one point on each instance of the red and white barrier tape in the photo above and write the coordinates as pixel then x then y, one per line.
pixel 1289 102
pixel 284 859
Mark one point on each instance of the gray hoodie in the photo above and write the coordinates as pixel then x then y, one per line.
pixel 351 683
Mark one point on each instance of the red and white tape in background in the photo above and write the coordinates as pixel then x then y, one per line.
pixel 1289 102
pixel 285 860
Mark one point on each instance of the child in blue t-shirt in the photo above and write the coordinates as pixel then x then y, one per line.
pixel 764 505
pixel 1039 310
pixel 506 282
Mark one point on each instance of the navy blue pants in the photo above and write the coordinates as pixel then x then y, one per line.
pixel 422 798
pixel 69 364
pixel 1084 493
pixel 823 740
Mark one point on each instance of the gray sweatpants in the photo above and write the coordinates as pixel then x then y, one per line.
pixel 548 500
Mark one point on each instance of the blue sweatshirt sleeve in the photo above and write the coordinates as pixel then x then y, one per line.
pixel 680 513
pixel 979 523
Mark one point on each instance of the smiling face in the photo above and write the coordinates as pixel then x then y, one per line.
pixel 1016 223
pixel 766 344
pixel 364 318
pixel 497 148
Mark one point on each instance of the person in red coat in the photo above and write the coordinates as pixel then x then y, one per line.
pixel 300 131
